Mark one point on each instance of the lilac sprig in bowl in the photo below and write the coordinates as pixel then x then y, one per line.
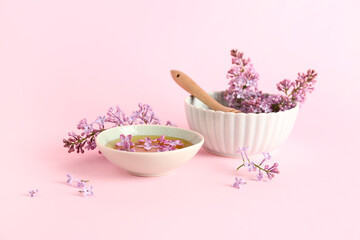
pixel 266 120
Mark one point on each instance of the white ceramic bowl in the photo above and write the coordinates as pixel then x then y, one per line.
pixel 149 164
pixel 225 132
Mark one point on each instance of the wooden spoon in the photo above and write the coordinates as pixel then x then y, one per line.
pixel 191 87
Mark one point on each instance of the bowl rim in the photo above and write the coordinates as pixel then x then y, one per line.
pixel 152 153
pixel 187 103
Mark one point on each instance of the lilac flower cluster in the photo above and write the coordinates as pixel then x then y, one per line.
pixel 269 171
pixel 243 93
pixel 298 89
pixel 161 144
pixel 89 131
pixel 85 190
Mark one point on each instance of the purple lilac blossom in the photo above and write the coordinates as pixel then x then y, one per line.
pixel 81 183
pixel 175 143
pixel 87 191
pixel 243 149
pixel 86 139
pixel 238 182
pixel 171 124
pixel 101 122
pixel 243 93
pixel 147 144
pixel 86 127
pixel 125 143
pixel 251 166
pixel 144 115
pixel 260 175
pixel 71 180
pixel 267 156
pixel 166 148
pixel 161 139
pixel 298 89
pixel 33 192
pixel 74 181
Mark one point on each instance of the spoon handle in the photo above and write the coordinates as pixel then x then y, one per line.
pixel 191 87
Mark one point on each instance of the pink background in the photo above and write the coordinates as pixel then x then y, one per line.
pixel 61 61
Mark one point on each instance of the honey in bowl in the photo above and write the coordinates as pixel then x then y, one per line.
pixel 152 143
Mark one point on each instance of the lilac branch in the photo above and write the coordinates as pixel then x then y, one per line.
pixel 270 171
pixel 89 131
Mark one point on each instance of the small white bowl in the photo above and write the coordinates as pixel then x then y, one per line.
pixel 225 132
pixel 149 164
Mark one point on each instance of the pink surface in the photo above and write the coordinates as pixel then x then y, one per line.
pixel 61 61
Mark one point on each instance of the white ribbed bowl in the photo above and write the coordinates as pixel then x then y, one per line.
pixel 225 132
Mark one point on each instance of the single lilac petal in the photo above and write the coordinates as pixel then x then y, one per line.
pixel 147 146
pixel 169 123
pixel 33 192
pixel 100 121
pixel 260 175
pixel 166 148
pixel 251 166
pixel 128 138
pixel 161 139
pixel 178 143
pixel 81 183
pixel 122 137
pixel 267 155
pixel 87 191
pixel 242 149
pixel 70 179
pixel 238 182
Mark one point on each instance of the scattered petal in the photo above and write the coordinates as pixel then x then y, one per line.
pixel 33 192
pixel 87 191
pixel 238 182
pixel 260 175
